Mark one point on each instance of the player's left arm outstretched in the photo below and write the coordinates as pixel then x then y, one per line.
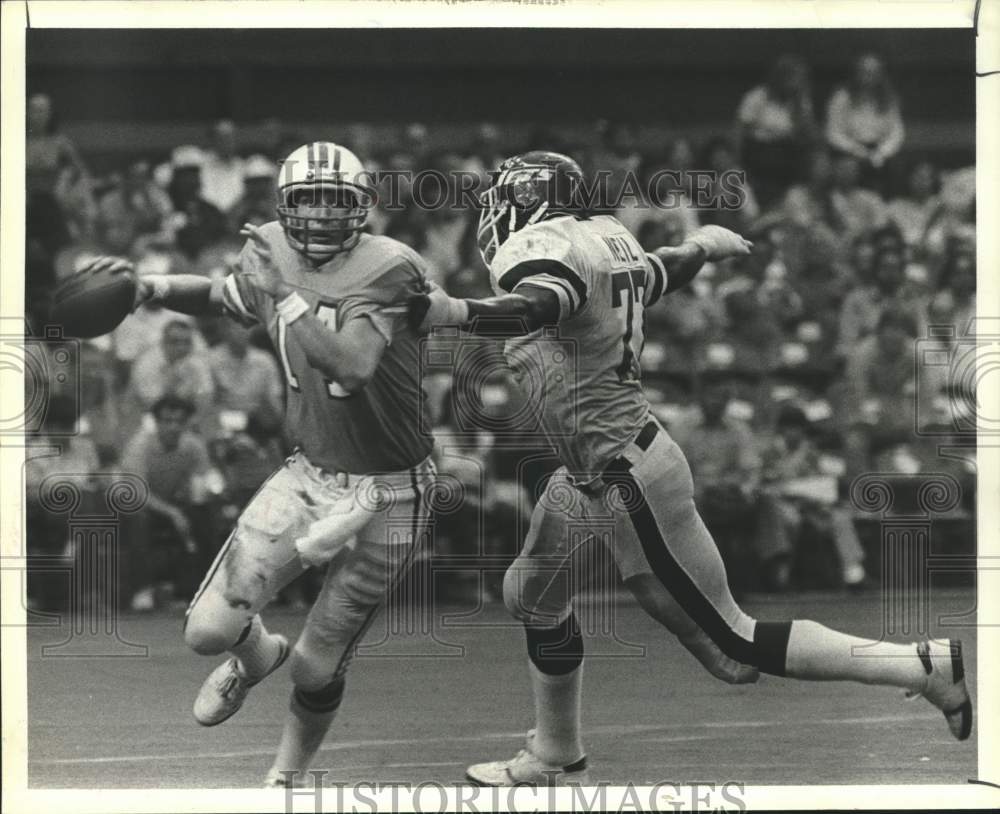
pixel 534 306
pixel 711 243
pixel 348 356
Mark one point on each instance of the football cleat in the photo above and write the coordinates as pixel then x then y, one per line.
pixel 526 768
pixel 279 780
pixel 226 688
pixel 945 686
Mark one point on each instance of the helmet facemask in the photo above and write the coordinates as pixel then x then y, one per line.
pixel 321 219
pixel 517 199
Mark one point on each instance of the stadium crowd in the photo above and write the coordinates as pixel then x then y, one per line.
pixel 783 375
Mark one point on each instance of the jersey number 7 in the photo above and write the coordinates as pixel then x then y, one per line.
pixel 625 287
pixel 327 314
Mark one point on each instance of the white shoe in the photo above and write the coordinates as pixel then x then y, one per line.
pixel 529 769
pixel 279 780
pixel 945 687
pixel 226 688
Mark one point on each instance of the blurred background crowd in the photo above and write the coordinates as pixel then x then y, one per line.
pixel 783 375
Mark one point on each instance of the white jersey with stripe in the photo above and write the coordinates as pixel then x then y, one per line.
pixel 586 369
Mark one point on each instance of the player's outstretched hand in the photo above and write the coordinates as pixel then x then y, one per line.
pixel 720 243
pixel 264 274
pixel 426 310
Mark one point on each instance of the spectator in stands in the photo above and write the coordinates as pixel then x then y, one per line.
pixel 75 455
pixel 863 120
pixel 135 207
pixel 445 225
pixel 879 408
pixel 854 209
pixel 775 126
pixel 171 459
pixel 196 223
pixel 913 211
pixel 725 464
pixel 796 501
pixel 100 396
pixel 257 203
pixel 864 306
pixel 810 256
pixel 173 368
pixel 59 204
pixel 417 142
pixel 57 454
pixel 618 158
pixel 222 170
pixel 660 199
pixel 955 301
pixel 733 202
pixel 753 330
pixel 809 202
pixel 486 152
pixel 680 325
pixel 246 379
pixel 954 219
pixel 492 499
pixel 143 328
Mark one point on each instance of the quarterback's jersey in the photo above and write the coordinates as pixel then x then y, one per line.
pixel 375 429
pixel 586 369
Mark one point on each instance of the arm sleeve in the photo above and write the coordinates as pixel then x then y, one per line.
pixel 542 257
pixel 383 301
pixel 656 280
pixel 239 300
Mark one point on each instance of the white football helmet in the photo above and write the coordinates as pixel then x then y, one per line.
pixel 324 197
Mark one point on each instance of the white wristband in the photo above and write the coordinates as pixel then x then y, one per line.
pixel 161 286
pixel 458 312
pixel 292 307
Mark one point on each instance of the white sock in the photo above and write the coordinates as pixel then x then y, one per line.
pixel 258 651
pixel 817 653
pixel 301 738
pixel 557 715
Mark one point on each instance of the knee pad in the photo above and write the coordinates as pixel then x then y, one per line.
pixel 324 699
pixel 212 625
pixel 556 650
pixel 533 597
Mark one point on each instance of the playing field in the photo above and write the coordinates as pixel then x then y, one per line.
pixel 420 707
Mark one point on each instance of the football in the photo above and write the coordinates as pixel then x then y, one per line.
pixel 96 299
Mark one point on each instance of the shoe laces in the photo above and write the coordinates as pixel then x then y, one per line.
pixel 230 683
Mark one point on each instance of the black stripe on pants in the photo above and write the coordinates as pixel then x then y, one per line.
pixel 670 573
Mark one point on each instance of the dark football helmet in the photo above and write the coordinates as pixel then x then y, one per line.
pixel 526 189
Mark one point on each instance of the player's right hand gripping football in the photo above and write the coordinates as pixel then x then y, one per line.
pixel 720 243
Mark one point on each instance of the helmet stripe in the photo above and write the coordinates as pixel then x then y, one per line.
pixel 336 160
pixel 310 157
pixel 324 154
